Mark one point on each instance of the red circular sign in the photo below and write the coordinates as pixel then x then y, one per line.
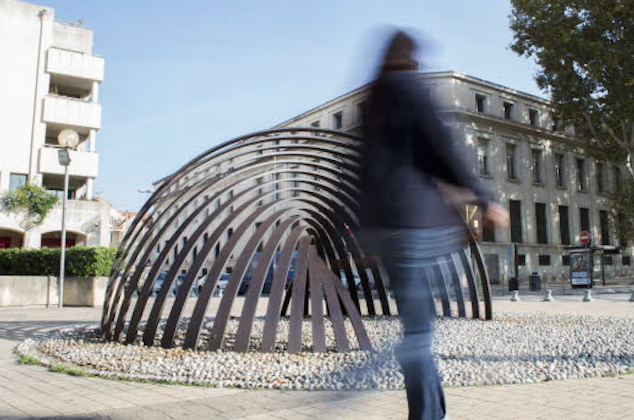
pixel 584 237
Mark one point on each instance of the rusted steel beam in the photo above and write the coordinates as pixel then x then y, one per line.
pixel 473 289
pixel 316 302
pixel 278 286
pixel 332 301
pixel 298 296
pixel 457 286
pixel 246 254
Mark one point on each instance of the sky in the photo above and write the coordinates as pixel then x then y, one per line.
pixel 182 76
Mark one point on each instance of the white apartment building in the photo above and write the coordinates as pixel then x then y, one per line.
pixel 537 169
pixel 49 81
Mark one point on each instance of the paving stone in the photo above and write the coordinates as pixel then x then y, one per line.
pixel 32 390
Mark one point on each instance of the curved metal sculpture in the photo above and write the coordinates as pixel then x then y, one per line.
pixel 272 199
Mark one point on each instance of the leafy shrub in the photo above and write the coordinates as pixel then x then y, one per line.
pixel 80 261
pixel 34 200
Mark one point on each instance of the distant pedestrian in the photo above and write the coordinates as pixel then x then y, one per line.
pixel 408 215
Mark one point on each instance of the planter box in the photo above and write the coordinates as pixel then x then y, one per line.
pixel 43 291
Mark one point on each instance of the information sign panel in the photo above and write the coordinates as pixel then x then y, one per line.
pixel 581 269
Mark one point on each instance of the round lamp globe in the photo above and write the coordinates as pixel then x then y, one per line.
pixel 68 138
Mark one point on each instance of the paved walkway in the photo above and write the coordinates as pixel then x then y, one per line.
pixel 34 392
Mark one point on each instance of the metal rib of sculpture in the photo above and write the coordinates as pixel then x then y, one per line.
pixel 259 203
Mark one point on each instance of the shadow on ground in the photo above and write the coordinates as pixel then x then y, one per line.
pixel 21 330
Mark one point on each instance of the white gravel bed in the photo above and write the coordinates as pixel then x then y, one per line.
pixel 514 348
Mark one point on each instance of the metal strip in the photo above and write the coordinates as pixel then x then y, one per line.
pixel 354 315
pixel 333 303
pixel 316 303
pixel 272 317
pixel 256 284
pixel 473 290
pixel 442 288
pixel 298 294
pixel 484 279
pixel 455 282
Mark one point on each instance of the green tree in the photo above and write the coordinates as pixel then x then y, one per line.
pixel 584 50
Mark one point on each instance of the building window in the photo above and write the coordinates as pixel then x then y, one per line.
pixel 229 233
pixel 205 237
pixel 581 174
pixel 537 166
pixel 515 210
pixel 315 124
pixel 604 220
pixel 184 241
pixel 617 179
pixel 481 103
pixel 544 260
pixel 16 181
pixel 521 260
pixel 217 250
pixel 626 260
pixel 533 117
pixel 565 259
pixel 295 185
pixel 195 252
pixel 584 219
pixel 541 222
pixel 556 124
pixel 600 177
pixel 483 156
pixel 508 110
pixel 511 152
pixel 607 260
pixel 337 120
pixel 564 225
pixel 560 170
pixel 488 232
pixel 362 111
pixel 621 222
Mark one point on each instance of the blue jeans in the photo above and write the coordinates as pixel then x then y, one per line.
pixel 406 254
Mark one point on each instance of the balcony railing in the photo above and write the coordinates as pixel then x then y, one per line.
pixel 71 111
pixel 75 64
pixel 83 164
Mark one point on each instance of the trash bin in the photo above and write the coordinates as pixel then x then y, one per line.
pixel 534 282
pixel 514 284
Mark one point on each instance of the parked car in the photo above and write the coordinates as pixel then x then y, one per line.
pixel 357 280
pixel 220 286
pixel 160 280
pixel 268 279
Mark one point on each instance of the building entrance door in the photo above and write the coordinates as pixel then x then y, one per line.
pixel 56 243
pixel 492 263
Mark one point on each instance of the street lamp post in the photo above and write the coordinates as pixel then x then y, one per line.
pixel 68 139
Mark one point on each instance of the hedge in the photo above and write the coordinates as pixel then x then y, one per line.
pixel 80 261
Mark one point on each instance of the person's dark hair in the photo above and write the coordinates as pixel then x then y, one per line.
pixel 399 55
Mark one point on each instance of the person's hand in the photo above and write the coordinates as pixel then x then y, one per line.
pixel 496 215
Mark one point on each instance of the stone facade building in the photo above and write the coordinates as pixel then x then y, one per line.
pixel 536 167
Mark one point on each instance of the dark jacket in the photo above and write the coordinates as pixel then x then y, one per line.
pixel 408 149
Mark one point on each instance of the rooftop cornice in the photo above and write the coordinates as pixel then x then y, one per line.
pixel 447 74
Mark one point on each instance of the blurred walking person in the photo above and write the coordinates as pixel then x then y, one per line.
pixel 407 217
